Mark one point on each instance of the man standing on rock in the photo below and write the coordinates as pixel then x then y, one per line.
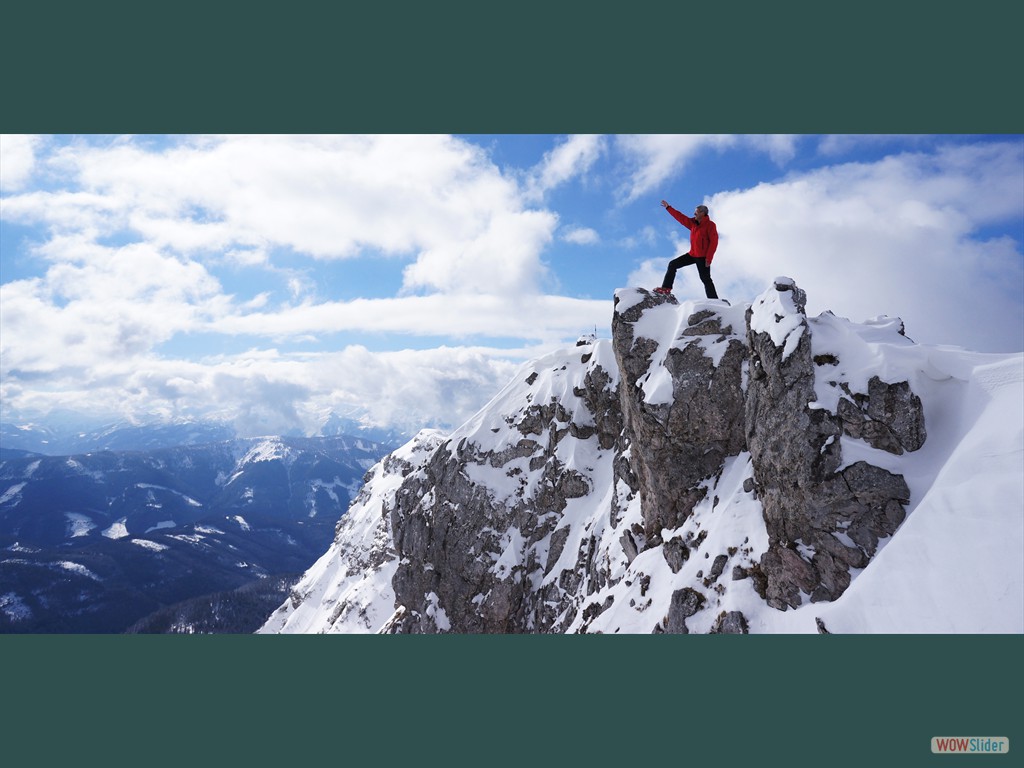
pixel 703 244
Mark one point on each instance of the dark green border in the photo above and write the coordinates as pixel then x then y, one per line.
pixel 532 66
pixel 462 700
pixel 529 67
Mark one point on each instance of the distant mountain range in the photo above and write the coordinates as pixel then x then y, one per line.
pixel 95 542
pixel 70 433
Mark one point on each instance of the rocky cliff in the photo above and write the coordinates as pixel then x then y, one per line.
pixel 708 464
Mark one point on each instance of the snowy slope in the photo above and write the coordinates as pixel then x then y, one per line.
pixel 585 564
pixel 349 588
pixel 957 564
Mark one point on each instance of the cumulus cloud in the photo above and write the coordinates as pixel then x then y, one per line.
pixel 330 197
pixel 17 160
pixel 412 389
pixel 136 233
pixel 98 303
pixel 903 236
pixel 193 203
pixel 502 257
pixel 650 272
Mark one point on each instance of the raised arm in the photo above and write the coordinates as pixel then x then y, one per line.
pixel 682 218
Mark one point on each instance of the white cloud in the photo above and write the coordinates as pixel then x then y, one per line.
pixel 443 386
pixel 148 244
pixel 580 236
pixel 494 315
pixel 898 237
pixel 96 303
pixel 248 257
pixel 781 148
pixel 84 336
pixel 572 158
pixel 650 273
pixel 654 158
pixel 503 256
pixel 17 160
pixel 86 331
pixel 328 196
pixel 432 200
pixel 266 392
pixel 646 236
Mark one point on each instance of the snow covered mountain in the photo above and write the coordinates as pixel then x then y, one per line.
pixel 711 468
pixel 95 542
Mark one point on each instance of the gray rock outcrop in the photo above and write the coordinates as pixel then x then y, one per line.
pixel 468 561
pixel 755 392
pixel 679 441
pixel 589 487
pixel 822 518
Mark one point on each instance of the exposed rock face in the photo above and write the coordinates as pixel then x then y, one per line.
pixel 889 417
pixel 592 485
pixel 822 518
pixel 681 435
pixel 685 603
pixel 731 623
pixel 474 561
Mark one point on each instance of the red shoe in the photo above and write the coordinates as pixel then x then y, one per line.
pixel 663 291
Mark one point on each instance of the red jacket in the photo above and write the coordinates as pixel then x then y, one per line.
pixel 703 236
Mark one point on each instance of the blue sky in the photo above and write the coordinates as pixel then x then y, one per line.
pixel 272 280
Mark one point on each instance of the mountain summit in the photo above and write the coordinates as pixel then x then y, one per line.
pixel 711 468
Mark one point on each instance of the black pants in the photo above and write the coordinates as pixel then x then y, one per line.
pixel 702 269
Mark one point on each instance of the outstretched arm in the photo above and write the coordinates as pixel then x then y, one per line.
pixel 682 218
